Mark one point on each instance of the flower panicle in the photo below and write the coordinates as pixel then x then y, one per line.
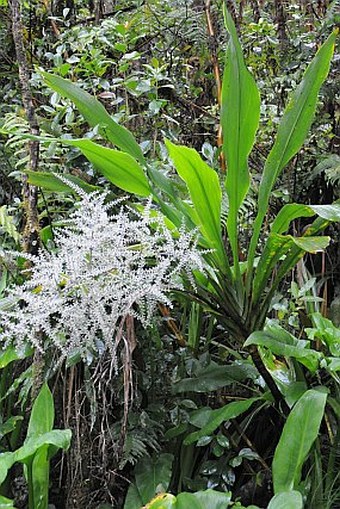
pixel 104 267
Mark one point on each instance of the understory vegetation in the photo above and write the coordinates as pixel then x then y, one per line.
pixel 169 254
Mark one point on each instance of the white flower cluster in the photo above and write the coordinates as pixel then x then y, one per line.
pixel 104 268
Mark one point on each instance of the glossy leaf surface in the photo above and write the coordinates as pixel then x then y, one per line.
pixel 240 113
pixel 297 438
pixel 293 128
pixel 287 500
pixel 42 414
pixel 118 167
pixel 220 415
pixel 280 342
pixel 204 188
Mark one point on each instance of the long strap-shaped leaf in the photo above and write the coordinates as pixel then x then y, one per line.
pixel 278 245
pixel 95 114
pixel 299 433
pixel 257 316
pixel 291 134
pixel 118 167
pixel 205 192
pixel 240 115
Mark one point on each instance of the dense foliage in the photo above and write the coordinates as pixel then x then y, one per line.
pixel 169 258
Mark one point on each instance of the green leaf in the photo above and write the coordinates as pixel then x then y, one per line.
pixel 10 354
pixel 287 500
pixel 58 438
pixel 95 114
pixel 7 459
pixel 185 500
pixel 204 188
pixel 133 499
pixel 276 247
pixel 42 414
pixel 152 475
pixel 280 342
pixel 291 134
pixel 211 378
pixel 40 477
pixel 7 224
pixel 9 425
pixel 163 501
pixel 118 167
pixel 325 330
pixel 240 114
pixel 54 184
pixel 297 438
pixel 297 119
pixel 293 211
pixel 208 499
pixel 211 499
pixel 6 503
pixel 220 415
pixel 311 244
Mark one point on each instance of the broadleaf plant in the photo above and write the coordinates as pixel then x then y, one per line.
pixel 235 287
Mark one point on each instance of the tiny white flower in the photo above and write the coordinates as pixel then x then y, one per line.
pixel 104 268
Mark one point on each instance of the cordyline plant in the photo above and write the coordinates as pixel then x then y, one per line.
pixel 238 292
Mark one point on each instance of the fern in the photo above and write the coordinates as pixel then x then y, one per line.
pixel 141 440
pixel 49 155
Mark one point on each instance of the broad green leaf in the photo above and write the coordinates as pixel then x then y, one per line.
pixel 133 499
pixel 53 183
pixel 208 499
pixel 211 378
pixel 297 438
pixel 293 128
pixel 204 188
pixel 6 503
pixel 276 344
pixel 95 114
pixel 42 414
pixel 152 475
pixel 40 477
pixel 293 211
pixel 287 500
pixel 200 417
pixel 211 499
pixel 185 500
pixel 60 439
pixel 220 415
pixel 291 259
pixel 240 114
pixel 311 244
pixel 162 501
pixel 7 459
pixel 296 120
pixel 333 364
pixel 10 354
pixel 118 167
